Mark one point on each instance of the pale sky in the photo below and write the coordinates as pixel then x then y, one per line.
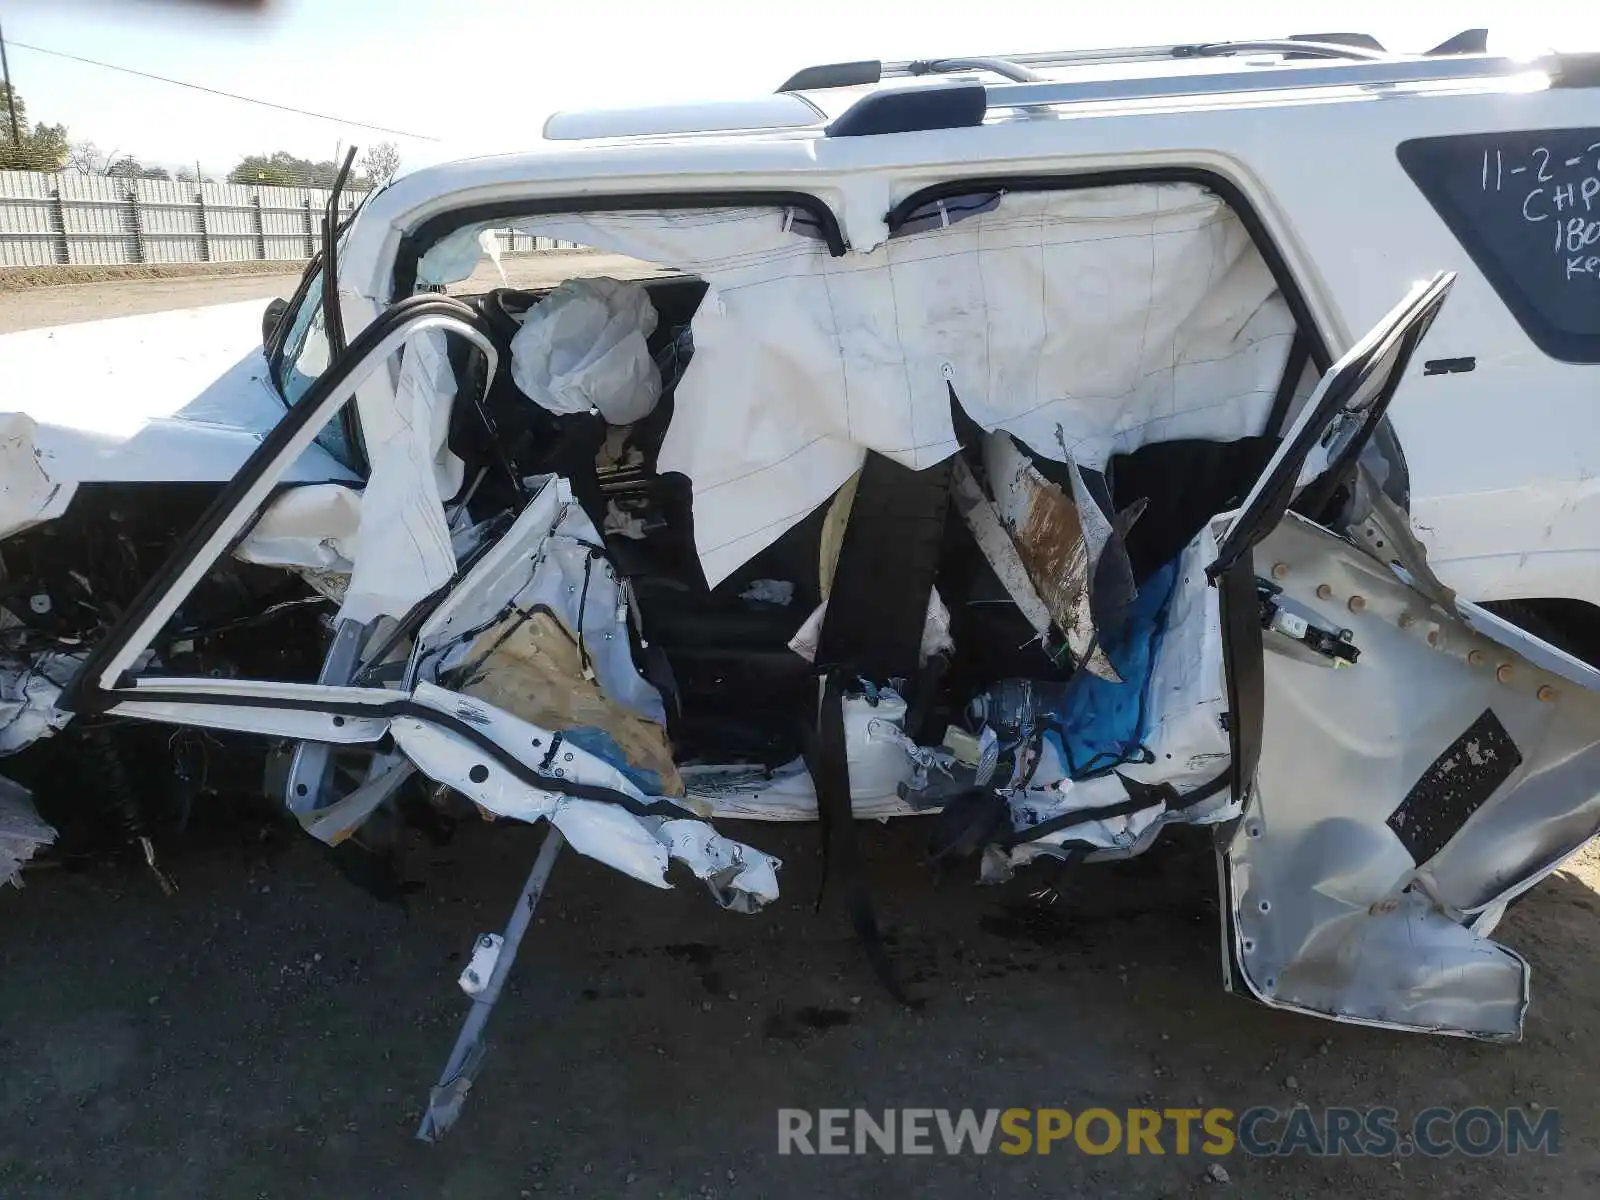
pixel 481 75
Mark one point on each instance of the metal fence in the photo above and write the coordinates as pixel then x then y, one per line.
pixel 94 220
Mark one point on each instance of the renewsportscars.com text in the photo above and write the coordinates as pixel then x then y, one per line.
pixel 1258 1132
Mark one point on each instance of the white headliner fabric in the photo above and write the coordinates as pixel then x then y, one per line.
pixel 1084 322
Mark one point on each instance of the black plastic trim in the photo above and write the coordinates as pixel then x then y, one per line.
pixel 417 242
pixel 1318 494
pixel 1243 669
pixel 332 317
pixel 834 75
pixel 960 104
pixel 1450 366
pixel 1271 500
pixel 1468 41
pixel 81 695
pixel 1230 192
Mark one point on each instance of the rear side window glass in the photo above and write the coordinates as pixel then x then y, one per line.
pixel 1526 208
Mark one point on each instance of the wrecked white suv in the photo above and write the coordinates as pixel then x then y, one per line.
pixel 1012 448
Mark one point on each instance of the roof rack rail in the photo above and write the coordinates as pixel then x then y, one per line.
pixel 1021 68
pixel 1018 66
pixel 903 110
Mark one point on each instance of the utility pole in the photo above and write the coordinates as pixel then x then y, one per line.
pixel 11 96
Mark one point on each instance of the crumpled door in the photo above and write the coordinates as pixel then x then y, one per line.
pixel 508 765
pixel 1409 763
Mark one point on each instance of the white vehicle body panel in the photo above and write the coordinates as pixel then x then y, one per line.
pixel 173 397
pixel 1502 490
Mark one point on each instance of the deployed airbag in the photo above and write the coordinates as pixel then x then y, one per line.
pixel 583 347
pixel 1084 322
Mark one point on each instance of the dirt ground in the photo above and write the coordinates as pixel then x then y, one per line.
pixel 272 1031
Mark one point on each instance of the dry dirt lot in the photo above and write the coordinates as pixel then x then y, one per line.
pixel 272 1031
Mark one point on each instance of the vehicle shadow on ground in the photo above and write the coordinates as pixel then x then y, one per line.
pixel 272 1030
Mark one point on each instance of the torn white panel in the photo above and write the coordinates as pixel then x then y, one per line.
pixel 22 831
pixel 403 549
pixel 639 844
pixel 1088 322
pixel 739 878
pixel 1046 529
pixel 998 550
pixel 28 694
pixel 1186 695
pixel 312 527
pixel 550 558
pixel 582 347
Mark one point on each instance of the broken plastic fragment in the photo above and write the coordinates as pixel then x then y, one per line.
pixel 480 968
pixel 22 830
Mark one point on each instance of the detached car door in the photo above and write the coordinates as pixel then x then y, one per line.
pixel 1407 763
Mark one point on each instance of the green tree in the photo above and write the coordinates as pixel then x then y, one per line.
pixel 128 167
pixel 41 148
pixel 285 170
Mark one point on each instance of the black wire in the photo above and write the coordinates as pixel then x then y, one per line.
pixel 583 600
pixel 304 112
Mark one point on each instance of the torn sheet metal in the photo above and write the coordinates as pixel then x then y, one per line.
pixel 28 694
pixel 1356 881
pixel 448 737
pixel 1095 320
pixel 22 831
pixel 551 560
pixel 637 843
pixel 998 550
pixel 1047 528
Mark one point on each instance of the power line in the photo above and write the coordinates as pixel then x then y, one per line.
pixel 304 112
